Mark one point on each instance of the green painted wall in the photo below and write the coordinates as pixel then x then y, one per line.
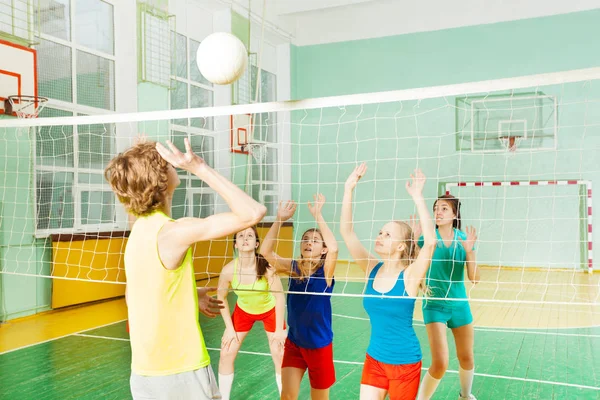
pixel 152 97
pixel 395 138
pixel 240 27
pixel 507 49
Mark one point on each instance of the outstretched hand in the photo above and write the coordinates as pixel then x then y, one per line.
pixel 469 243
pixel 355 176
pixel 208 305
pixel 415 185
pixel 315 209
pixel 189 161
pixel 286 210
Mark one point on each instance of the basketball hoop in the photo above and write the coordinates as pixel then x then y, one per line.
pixel 24 106
pixel 258 151
pixel 510 143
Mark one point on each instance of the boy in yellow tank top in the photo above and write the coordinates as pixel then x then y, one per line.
pixel 259 298
pixel 169 356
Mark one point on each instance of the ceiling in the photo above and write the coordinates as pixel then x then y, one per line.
pixel 290 7
pixel 308 22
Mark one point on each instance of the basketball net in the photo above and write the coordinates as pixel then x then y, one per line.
pixel 510 143
pixel 26 106
pixel 258 151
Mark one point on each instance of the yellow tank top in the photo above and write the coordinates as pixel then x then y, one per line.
pixel 165 332
pixel 253 298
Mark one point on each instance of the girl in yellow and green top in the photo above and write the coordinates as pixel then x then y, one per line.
pixel 259 298
pixel 169 358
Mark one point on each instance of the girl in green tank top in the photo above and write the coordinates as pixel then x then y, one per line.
pixel 259 298
pixel 455 250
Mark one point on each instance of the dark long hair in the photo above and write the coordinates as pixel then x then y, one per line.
pixel 455 205
pixel 262 265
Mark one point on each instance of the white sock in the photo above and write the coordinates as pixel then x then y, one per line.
pixel 225 383
pixel 466 381
pixel 278 379
pixel 428 386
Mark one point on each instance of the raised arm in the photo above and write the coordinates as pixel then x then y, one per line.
pixel 417 270
pixel 416 229
pixel 328 237
pixel 359 253
pixel 245 211
pixel 469 246
pixel 283 265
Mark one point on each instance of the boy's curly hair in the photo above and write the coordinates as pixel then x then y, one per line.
pixel 139 178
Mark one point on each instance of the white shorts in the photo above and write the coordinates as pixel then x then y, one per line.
pixel 200 384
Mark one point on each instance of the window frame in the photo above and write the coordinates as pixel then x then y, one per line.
pixel 189 129
pixel 276 145
pixel 74 108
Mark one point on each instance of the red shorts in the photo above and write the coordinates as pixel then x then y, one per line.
pixel 243 321
pixel 319 363
pixel 401 381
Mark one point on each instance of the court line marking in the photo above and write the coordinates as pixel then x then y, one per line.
pixel 526 331
pixel 60 337
pixel 101 337
pixel 513 378
pixel 532 331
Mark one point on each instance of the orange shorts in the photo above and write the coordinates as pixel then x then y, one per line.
pixel 401 381
pixel 243 321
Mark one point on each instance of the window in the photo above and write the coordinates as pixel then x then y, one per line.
pixel 265 177
pixel 71 192
pixel 193 197
pixel 76 57
pixel 189 89
pixel 76 71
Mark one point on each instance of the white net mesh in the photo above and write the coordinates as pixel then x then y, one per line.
pixel 535 308
pixel 60 219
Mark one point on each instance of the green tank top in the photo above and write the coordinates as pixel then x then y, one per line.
pixel 446 275
pixel 253 298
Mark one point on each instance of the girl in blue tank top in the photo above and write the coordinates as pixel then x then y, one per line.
pixel 393 361
pixel 310 336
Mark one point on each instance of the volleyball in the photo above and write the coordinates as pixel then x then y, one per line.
pixel 222 58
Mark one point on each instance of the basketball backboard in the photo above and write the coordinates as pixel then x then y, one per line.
pixel 510 122
pixel 241 132
pixel 18 71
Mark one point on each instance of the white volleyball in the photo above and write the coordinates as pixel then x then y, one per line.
pixel 222 58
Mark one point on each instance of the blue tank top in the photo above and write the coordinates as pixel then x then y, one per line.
pixel 393 338
pixel 309 316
